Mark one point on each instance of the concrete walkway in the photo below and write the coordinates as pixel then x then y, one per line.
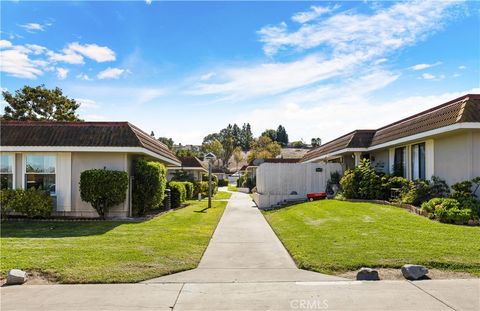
pixel 244 249
pixel 245 267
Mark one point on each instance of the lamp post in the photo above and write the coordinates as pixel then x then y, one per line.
pixel 210 158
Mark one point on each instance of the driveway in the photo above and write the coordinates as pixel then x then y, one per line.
pixel 245 267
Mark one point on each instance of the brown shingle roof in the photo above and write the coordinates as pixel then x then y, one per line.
pixel 79 134
pixel 462 109
pixel 191 162
pixel 355 139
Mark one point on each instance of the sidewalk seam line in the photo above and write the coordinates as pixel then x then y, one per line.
pixel 431 295
pixel 178 296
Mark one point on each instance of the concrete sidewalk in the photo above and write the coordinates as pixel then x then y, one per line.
pixel 245 267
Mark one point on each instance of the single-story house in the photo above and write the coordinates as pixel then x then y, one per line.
pixel 191 165
pixel 52 155
pixel 443 141
pixel 252 167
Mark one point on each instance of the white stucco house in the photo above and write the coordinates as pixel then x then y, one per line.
pixel 443 141
pixel 52 155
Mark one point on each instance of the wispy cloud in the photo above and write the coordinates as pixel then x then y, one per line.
pixel 61 73
pixel 35 27
pixel 148 2
pixel 424 66
pixel 462 67
pixel 313 13
pixel 110 73
pixel 98 53
pixel 429 76
pixel 83 76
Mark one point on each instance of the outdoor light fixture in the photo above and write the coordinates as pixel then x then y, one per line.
pixel 210 157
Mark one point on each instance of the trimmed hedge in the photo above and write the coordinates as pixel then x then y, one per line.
pixel 200 187
pixel 103 189
pixel 189 189
pixel 223 183
pixel 178 193
pixel 149 186
pixel 32 203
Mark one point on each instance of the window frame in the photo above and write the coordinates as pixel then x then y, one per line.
pixel 419 164
pixel 24 169
pixel 14 165
pixel 405 160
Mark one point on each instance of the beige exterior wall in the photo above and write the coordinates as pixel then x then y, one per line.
pixel 457 157
pixel 82 161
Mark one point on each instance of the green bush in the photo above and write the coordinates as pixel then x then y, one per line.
pixel 103 189
pixel 178 193
pixel 446 210
pixel 214 178
pixel 362 182
pixel 32 203
pixel 464 194
pixel 200 187
pixel 189 189
pixel 241 180
pixel 149 185
pixel 223 183
pixel 182 175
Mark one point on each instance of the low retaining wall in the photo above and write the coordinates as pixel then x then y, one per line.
pixel 243 190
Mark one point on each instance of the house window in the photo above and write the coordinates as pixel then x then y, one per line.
pixel 40 172
pixel 6 171
pixel 399 164
pixel 418 161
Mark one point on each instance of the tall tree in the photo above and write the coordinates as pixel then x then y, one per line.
pixel 167 141
pixel 263 148
pixel 237 135
pixel 270 133
pixel 247 137
pixel 214 146
pixel 188 153
pixel 39 104
pixel 238 156
pixel 152 134
pixel 282 136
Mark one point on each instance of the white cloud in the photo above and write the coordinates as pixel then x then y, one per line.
pixel 93 51
pixel 83 76
pixel 315 11
pixel 61 73
pixel 428 76
pixel 16 62
pixel 34 27
pixel 207 76
pixel 110 73
pixel 36 49
pixel 148 2
pixel 462 67
pixel 67 56
pixel 5 44
pixel 387 29
pixel 87 104
pixel 424 66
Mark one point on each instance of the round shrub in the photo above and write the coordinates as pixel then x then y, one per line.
pixel 178 193
pixel 103 189
pixel 447 210
pixel 32 203
pixel 149 185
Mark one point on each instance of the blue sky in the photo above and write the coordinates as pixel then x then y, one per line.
pixel 186 69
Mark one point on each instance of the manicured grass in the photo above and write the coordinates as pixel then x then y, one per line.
pixel 232 188
pixel 222 195
pixel 111 251
pixel 336 236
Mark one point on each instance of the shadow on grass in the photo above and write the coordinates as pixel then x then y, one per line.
pixel 56 229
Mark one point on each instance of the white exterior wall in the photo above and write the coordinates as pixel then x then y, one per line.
pixel 276 182
pixel 457 157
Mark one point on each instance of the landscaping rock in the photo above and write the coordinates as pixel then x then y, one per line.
pixel 16 276
pixel 414 272
pixel 367 274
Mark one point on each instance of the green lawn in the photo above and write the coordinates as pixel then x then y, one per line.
pixel 232 188
pixel 222 195
pixel 335 236
pixel 111 251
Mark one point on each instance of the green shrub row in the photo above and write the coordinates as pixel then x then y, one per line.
pixel 178 193
pixel 103 189
pixel 447 210
pixel 363 182
pixel 223 183
pixel 31 203
pixel 149 186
